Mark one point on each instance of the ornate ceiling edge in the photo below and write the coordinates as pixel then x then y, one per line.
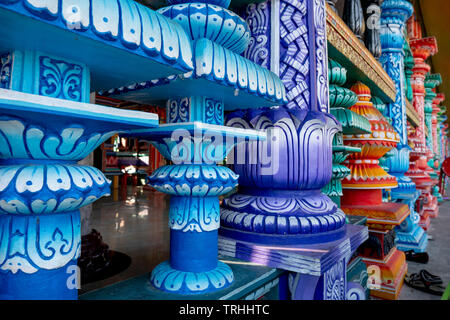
pixel 343 39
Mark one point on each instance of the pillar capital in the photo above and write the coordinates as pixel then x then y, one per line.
pixel 431 82
pixel 396 11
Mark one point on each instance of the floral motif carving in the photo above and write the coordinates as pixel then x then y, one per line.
pixel 60 79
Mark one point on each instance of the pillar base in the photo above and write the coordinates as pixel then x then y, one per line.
pixel 281 217
pixel 392 273
pixel 168 279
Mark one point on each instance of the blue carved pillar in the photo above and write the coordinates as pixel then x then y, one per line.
pixel 196 141
pixel 57 52
pixel 393 18
pixel 279 202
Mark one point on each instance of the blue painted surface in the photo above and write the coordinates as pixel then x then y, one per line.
pixel 193 267
pixel 45 128
pixel 409 235
pixel 43 74
pixel 209 21
pixel 219 72
pixel 109 33
pixel 280 217
pixel 169 279
pixel 317 269
pixel 282 239
pixel 393 19
pixel 196 142
pixel 5 70
pixel 221 3
pixel 198 253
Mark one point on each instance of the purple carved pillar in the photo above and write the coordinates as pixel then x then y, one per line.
pixel 279 198
pixel 279 201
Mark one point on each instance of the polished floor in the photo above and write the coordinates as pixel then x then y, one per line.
pixel 135 221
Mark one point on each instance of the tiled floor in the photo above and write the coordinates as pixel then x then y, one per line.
pixel 135 222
